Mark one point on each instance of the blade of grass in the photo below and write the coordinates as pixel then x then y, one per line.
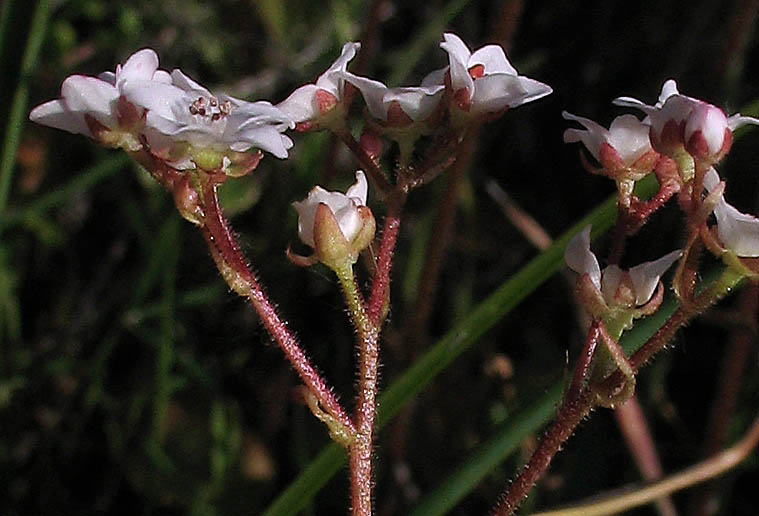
pixel 443 353
pixel 501 445
pixel 17 114
pixel 82 182
pixel 507 440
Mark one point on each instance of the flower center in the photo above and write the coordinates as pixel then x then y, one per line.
pixel 210 109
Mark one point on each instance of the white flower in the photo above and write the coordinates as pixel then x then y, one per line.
pixel 739 232
pixel 627 137
pixel 643 277
pixel 312 100
pixel 416 103
pixel 185 111
pixel 677 119
pixel 487 79
pixel 92 106
pixel 344 206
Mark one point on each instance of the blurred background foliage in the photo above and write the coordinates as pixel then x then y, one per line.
pixel 133 382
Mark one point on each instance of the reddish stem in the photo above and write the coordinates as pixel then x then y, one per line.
pixel 583 363
pixel 366 409
pixel 572 411
pixel 228 257
pixel 381 282
pixel 366 161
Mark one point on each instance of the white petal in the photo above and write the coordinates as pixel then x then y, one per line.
pixel 331 80
pixel 458 57
pixel 162 76
pixel 141 65
pixel 668 89
pixel 435 77
pixel 634 103
pixel 629 137
pixel 711 179
pixel 646 276
pixel 373 93
pixel 266 138
pixel 497 91
pixel 359 190
pixel 531 90
pixel 738 231
pixel 108 77
pixel 493 59
pixel 301 104
pixel 712 123
pixel 180 80
pixel 417 102
pixel 349 220
pixel 456 48
pixel 54 114
pixel 592 137
pixel 259 113
pixel 736 121
pixel 610 278
pixel 161 99
pixel 91 96
pixel 580 259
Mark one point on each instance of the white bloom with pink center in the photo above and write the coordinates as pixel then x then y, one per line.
pixel 739 232
pixel 185 111
pixel 416 102
pixel 627 136
pixel 644 277
pixel 484 81
pixel 312 100
pixel 703 128
pixel 344 206
pixel 97 104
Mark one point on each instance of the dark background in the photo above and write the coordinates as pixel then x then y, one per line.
pixel 133 382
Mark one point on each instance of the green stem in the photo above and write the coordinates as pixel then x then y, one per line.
pixel 366 403
pixel 355 302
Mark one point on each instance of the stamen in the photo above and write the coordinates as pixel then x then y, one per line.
pixel 210 108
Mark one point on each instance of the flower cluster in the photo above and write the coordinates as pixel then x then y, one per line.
pixel 178 119
pixel 188 137
pixel 680 139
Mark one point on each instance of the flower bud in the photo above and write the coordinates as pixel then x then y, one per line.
pixel 337 226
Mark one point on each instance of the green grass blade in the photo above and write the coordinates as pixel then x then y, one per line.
pixel 309 482
pixel 444 352
pixel 505 442
pixel 490 455
pixel 17 114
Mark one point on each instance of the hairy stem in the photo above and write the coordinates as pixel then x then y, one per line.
pixel 366 405
pixel 706 470
pixel 381 283
pixel 572 411
pixel 234 269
